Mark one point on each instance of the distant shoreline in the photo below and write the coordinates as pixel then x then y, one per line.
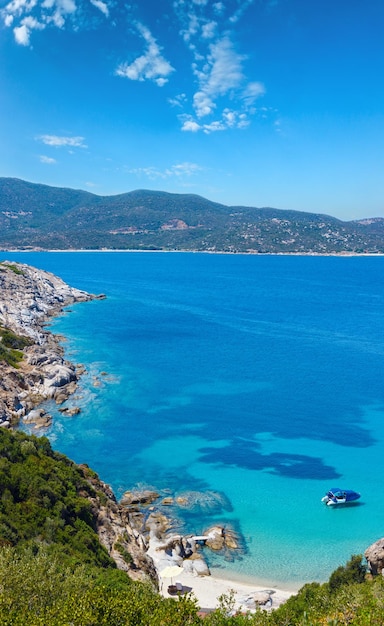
pixel 215 252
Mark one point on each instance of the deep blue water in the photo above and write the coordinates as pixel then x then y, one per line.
pixel 260 377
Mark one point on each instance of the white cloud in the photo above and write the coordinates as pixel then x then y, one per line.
pixel 214 127
pixel 203 103
pixel 179 170
pixel 102 6
pixel 208 30
pixel 252 92
pixel 67 6
pixel 178 101
pixel 191 126
pixel 229 119
pixel 59 141
pixel 243 6
pixel 21 35
pixel 223 96
pixel 17 8
pixel 29 15
pixel 48 160
pixel 218 8
pixel 221 73
pixel 149 66
pixel 185 169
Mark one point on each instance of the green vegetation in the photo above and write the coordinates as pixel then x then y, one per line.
pixel 12 357
pixel 9 339
pixel 12 267
pixel 54 571
pixel 124 553
pixel 38 590
pixel 45 499
pixel 10 346
pixel 55 218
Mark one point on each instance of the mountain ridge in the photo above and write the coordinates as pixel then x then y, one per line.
pixel 37 216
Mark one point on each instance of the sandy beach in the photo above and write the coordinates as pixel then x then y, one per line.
pixel 208 589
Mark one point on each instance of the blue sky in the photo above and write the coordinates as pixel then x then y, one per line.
pixel 255 102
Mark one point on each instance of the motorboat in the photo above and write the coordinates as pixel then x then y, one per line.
pixel 336 496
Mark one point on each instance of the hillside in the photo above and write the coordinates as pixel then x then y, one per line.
pixel 54 570
pixel 62 532
pixel 43 217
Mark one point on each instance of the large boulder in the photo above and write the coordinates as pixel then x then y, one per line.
pixel 215 539
pixel 200 568
pixel 220 537
pixel 375 557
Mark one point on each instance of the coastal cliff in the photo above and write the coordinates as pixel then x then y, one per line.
pixel 33 369
pixel 32 363
pixel 139 538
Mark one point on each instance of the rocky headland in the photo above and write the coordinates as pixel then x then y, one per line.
pixel 32 364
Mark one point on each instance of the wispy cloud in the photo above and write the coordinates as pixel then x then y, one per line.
pixel 47 160
pixel 102 6
pixel 59 141
pixel 221 78
pixel 229 119
pixel 220 94
pixel 221 73
pixel 27 16
pixel 149 66
pixel 179 170
pixel 224 97
pixel 242 7
pixel 178 101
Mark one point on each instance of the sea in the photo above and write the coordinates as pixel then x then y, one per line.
pixel 245 385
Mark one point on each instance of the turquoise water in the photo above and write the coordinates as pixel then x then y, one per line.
pixel 260 377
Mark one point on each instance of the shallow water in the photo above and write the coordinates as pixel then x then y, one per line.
pixel 260 377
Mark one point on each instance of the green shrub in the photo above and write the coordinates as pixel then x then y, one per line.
pixel 43 498
pixel 10 346
pixel 124 553
pixel 353 572
pixel 9 339
pixel 12 267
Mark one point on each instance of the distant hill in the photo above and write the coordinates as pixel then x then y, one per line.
pixel 42 217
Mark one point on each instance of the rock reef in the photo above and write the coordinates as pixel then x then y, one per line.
pixel 28 298
pixel 167 546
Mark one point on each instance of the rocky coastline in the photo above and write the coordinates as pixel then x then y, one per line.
pixel 137 533
pixel 28 298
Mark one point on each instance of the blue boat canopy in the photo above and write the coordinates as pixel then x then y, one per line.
pixel 348 494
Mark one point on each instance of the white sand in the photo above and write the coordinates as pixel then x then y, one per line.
pixel 208 589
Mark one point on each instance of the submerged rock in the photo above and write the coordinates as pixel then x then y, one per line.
pixel 203 501
pixel 70 411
